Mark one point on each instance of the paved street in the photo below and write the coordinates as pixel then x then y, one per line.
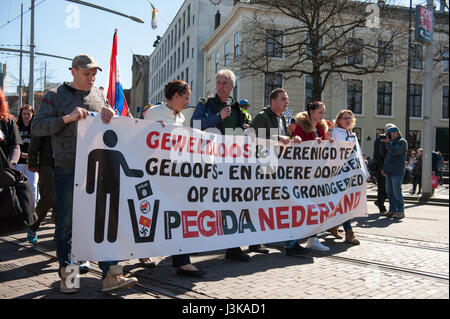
pixel 404 259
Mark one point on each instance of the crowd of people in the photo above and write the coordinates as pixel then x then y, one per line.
pixel 43 147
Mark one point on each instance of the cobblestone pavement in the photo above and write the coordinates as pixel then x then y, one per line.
pixel 404 259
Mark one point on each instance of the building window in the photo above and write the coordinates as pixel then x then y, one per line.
pixel 182 53
pixel 358 132
pixel 354 96
pixel 226 53
pixel 272 82
pixel 445 59
pixel 416 56
pixel 309 96
pixel 309 52
pixel 415 100
pixel 176 32
pixel 274 43
pixel 414 139
pixel 385 56
pixel 235 90
pixel 189 15
pixel 236 45
pixel 217 62
pixel 384 98
pixel 188 49
pixel 187 75
pixel 179 28
pixel 184 22
pixel 355 49
pixel 178 58
pixel 445 102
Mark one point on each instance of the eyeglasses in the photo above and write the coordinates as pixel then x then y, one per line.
pixel 346 118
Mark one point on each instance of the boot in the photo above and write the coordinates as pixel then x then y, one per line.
pixel 350 238
pixel 116 280
pixel 334 231
pixel 64 281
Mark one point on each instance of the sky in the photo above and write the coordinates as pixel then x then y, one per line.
pixel 66 29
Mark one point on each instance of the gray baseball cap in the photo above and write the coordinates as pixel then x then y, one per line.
pixel 84 61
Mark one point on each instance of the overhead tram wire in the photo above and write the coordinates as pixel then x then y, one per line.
pixel 14 19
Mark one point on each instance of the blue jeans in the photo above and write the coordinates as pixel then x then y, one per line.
pixel 348 225
pixel 394 192
pixel 64 182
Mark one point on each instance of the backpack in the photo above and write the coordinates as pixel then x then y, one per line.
pixel 16 199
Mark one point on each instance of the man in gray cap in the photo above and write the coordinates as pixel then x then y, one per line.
pixel 57 116
pixel 394 171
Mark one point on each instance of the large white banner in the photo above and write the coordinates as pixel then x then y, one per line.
pixel 144 190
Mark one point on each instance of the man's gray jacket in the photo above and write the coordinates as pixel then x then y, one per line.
pixel 48 120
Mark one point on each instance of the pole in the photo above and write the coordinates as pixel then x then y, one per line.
pixel 31 80
pixel 20 67
pixel 136 19
pixel 408 75
pixel 427 140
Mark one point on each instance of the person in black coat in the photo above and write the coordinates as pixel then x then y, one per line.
pixel 379 154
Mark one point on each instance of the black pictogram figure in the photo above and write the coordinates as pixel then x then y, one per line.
pixel 108 182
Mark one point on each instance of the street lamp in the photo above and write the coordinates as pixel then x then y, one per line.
pixel 139 20
pixel 408 75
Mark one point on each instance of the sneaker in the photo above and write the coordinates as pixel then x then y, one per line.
pixel 63 287
pixel 83 267
pixel 296 250
pixel 258 249
pixel 399 215
pixel 238 257
pixel 314 244
pixel 389 214
pixel 116 280
pixel 32 237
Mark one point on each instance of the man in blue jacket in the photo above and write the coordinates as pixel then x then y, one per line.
pixel 221 112
pixel 394 170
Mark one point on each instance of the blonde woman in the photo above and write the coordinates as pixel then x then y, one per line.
pixel 342 131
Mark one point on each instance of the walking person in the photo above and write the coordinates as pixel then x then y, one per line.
pixel 177 94
pixel 342 131
pixel 417 172
pixel 58 114
pixel 379 154
pixel 24 124
pixel 222 113
pixel 40 161
pixel 311 126
pixel 394 170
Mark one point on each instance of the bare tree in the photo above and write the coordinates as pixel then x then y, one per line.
pixel 321 38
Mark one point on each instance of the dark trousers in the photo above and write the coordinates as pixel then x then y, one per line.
pixel 180 260
pixel 417 181
pixel 381 184
pixel 47 196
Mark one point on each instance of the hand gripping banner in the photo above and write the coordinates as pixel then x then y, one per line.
pixel 144 190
